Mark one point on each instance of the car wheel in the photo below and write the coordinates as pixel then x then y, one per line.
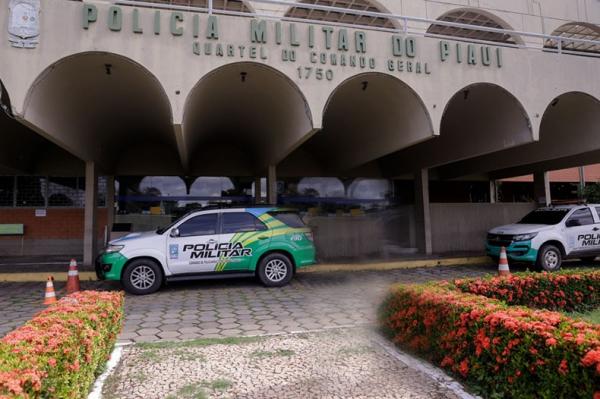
pixel 142 277
pixel 589 259
pixel 549 258
pixel 275 270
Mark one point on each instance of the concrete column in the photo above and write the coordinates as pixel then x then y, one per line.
pixel 90 238
pixel 257 190
pixel 422 212
pixel 272 185
pixel 541 188
pixel 110 203
pixel 493 191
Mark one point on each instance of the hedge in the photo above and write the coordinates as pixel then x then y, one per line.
pixel 59 352
pixel 567 291
pixel 499 350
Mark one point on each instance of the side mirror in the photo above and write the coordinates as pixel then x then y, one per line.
pixel 174 232
pixel 572 223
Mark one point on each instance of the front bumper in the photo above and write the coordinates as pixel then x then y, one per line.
pixel 520 251
pixel 110 265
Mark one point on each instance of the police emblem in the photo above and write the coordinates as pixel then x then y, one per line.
pixel 24 23
pixel 173 251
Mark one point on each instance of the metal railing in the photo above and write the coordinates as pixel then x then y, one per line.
pixel 402 23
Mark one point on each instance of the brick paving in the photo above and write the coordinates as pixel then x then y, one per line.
pixel 229 308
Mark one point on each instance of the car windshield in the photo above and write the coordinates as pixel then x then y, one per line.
pixel 545 216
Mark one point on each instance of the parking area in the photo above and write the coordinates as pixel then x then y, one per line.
pixel 227 308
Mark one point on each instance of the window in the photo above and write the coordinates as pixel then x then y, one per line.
pixel 66 192
pixel 581 217
pixel 237 222
pixel 199 226
pixel 576 30
pixel 341 16
pixel 475 18
pixel 7 190
pixel 545 216
pixel 31 191
pixel 291 219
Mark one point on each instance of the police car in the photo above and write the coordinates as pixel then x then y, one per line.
pixel 548 235
pixel 269 243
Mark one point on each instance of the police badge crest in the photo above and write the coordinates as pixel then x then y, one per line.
pixel 24 23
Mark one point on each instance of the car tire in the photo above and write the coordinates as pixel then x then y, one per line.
pixel 549 258
pixel 275 270
pixel 589 259
pixel 142 277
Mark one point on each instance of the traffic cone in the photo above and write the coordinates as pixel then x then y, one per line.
pixel 73 278
pixel 503 269
pixel 50 296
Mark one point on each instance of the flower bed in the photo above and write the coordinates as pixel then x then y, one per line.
pixel 565 291
pixel 59 352
pixel 499 350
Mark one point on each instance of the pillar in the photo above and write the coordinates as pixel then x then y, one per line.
pixel 422 212
pixel 90 237
pixel 257 190
pixel 541 188
pixel 493 191
pixel 581 182
pixel 110 203
pixel 271 185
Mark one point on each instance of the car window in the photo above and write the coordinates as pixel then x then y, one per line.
pixel 581 217
pixel 236 222
pixel 289 218
pixel 199 226
pixel 545 216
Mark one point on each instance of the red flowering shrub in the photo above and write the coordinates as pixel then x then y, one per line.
pixel 568 291
pixel 59 352
pixel 499 350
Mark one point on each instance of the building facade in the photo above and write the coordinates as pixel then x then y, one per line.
pixel 358 112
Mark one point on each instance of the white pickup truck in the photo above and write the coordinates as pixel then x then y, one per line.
pixel 548 235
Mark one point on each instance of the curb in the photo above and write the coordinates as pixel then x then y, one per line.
pixel 324 268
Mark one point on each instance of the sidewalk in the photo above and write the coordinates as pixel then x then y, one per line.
pixel 37 268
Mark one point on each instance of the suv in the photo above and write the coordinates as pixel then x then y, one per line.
pixel 269 243
pixel 548 235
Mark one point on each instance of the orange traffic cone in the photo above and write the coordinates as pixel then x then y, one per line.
pixel 73 278
pixel 503 269
pixel 50 296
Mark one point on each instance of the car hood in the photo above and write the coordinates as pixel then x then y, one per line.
pixel 512 229
pixel 133 236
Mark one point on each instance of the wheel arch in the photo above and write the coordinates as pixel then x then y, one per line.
pixel 283 252
pixel 152 258
pixel 557 244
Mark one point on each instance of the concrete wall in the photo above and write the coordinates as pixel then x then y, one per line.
pixel 463 227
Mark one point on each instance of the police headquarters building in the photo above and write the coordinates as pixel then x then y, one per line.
pixel 390 124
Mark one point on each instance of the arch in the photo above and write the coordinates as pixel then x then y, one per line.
pixel 211 186
pixel 252 114
pixel 475 17
pixel 339 17
pixel 361 121
pixel 576 30
pixel 481 118
pixel 322 187
pixel 89 103
pixel 237 6
pixel 369 188
pixel 167 186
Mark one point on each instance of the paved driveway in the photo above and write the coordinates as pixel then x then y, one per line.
pixel 205 309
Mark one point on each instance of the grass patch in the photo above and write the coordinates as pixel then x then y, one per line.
pixel 187 355
pixel 221 384
pixel 197 390
pixel 198 342
pixel 593 316
pixel 276 353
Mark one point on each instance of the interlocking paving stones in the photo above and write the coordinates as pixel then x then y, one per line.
pixel 310 301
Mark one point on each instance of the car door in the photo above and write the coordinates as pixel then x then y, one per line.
pixel 580 232
pixel 243 236
pixel 192 246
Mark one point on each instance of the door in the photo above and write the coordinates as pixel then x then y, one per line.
pixel 581 232
pixel 242 238
pixel 194 247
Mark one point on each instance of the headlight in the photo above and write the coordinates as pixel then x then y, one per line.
pixel 524 237
pixel 114 248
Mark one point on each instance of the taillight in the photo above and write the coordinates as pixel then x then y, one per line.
pixel 309 236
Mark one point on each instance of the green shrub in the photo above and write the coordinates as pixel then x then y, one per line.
pixel 59 352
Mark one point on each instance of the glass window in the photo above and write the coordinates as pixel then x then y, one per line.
pixel 31 191
pixel 545 216
pixel 7 189
pixel 66 191
pixel 291 219
pixel 199 226
pixel 237 222
pixel 581 217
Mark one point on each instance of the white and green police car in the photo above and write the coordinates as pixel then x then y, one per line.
pixel 269 243
pixel 548 235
